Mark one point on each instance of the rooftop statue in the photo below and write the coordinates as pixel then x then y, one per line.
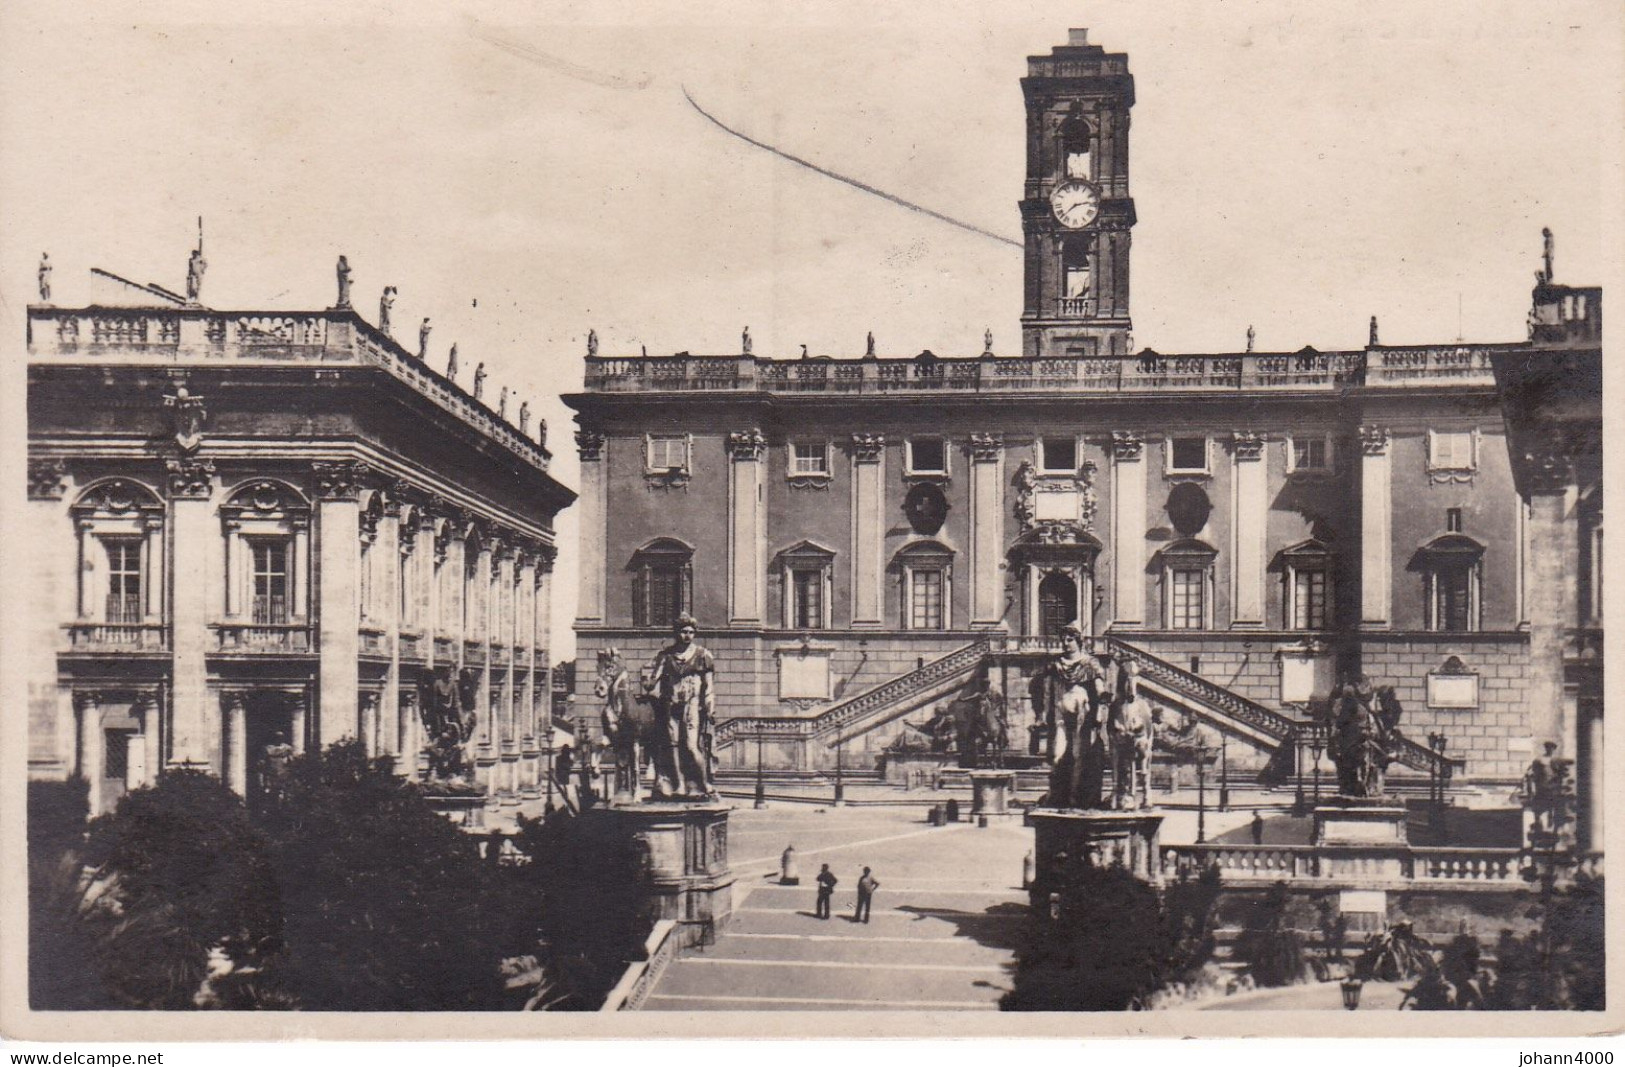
pixel 45 277
pixel 386 303
pixel 195 266
pixel 451 363
pixel 343 271
pixel 502 403
pixel 524 418
pixel 424 329
pixel 592 343
pixel 744 341
pixel 479 380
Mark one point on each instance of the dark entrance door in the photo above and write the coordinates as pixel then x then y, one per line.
pixel 1057 604
pixel 269 728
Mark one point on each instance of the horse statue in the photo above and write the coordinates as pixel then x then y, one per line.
pixel 1364 732
pixel 1130 731
pixel 628 722
pixel 982 728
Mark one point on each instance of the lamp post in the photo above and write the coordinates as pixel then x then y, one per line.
pixel 1315 748
pixel 1299 808
pixel 1351 992
pixel 1224 772
pixel 547 771
pixel 761 782
pixel 840 783
pixel 1201 795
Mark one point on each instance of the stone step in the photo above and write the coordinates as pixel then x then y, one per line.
pixel 878 980
pixel 1001 928
pixel 860 948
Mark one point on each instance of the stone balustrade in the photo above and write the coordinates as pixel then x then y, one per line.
pixel 263 638
pixel 1146 372
pixel 117 637
pixel 1329 865
pixel 195 335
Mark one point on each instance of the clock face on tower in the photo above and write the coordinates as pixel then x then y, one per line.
pixel 1075 204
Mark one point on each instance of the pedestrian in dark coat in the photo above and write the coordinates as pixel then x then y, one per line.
pixel 866 889
pixel 826 890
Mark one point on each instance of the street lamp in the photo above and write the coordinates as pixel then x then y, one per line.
pixel 1315 748
pixel 761 782
pixel 547 771
pixel 1351 992
pixel 1299 806
pixel 840 783
pixel 1201 794
pixel 1224 772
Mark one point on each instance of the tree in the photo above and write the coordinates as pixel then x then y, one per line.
pixel 60 938
pixel 386 905
pixel 1108 948
pixel 1272 950
pixel 174 874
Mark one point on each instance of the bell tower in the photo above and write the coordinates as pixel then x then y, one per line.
pixel 1076 213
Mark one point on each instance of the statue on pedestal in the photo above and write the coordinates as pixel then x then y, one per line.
pixel 628 723
pixel 1364 732
pixel 448 720
pixel 502 403
pixel 981 728
pixel 524 418
pixel 479 381
pixel 195 266
pixel 1075 709
pixel 681 680
pixel 424 329
pixel 451 363
pixel 1547 793
pixel 592 343
pixel 45 277
pixel 1131 731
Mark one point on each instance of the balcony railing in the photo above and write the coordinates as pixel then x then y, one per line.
pixel 123 608
pixel 117 637
pixel 285 638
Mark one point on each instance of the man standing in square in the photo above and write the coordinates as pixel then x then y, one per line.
pixel 826 890
pixel 866 889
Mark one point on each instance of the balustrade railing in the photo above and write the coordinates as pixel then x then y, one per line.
pixel 1467 865
pixel 1272 863
pixel 118 637
pixel 1479 867
pixel 282 638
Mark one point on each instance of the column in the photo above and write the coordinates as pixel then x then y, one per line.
pixel 91 755
pixel 151 725
pixel 338 555
pixel 1128 529
pixel 1376 529
pixel 191 484
pixel 154 607
pixel 236 737
pixel 986 530
pixel 369 704
pixel 1248 529
pixel 593 513
pixel 747 529
pixel 868 529
pixel 298 725
pixel 387 598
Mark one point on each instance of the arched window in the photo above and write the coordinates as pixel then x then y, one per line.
pixel 120 525
pixel 1077 143
pixel 267 530
pixel 1057 603
pixel 1452 571
pixel 926 572
pixel 662 582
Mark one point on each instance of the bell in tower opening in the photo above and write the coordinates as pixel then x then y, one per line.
pixel 1077 212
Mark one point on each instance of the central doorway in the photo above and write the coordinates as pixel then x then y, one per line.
pixel 1057 603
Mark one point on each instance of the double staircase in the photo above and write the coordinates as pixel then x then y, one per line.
pixel 1271 731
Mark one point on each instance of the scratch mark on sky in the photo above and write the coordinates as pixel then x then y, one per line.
pixel 554 63
pixel 815 168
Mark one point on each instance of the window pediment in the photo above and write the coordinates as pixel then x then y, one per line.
pixel 1452 546
pixel 923 553
pixel 1190 551
pixel 806 552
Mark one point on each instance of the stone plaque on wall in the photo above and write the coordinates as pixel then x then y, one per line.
pixel 1452 690
pixel 803 675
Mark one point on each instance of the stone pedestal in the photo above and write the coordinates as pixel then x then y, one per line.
pixel 991 792
pixel 1066 841
pixel 684 857
pixel 1363 840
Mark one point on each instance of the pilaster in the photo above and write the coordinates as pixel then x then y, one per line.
pixel 747 528
pixel 191 484
pixel 1552 597
pixel 338 533
pixel 868 529
pixel 1128 529
pixel 1248 530
pixel 987 529
pixel 1376 529
pixel 593 514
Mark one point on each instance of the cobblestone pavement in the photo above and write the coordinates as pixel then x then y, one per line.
pixel 942 936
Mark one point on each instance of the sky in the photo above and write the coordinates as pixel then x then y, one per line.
pixel 523 173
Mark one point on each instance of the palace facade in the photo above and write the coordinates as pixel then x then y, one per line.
pixel 262 528
pixel 863 538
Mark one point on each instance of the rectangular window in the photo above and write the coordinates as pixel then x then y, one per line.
pixel 270 606
pixel 116 748
pixel 809 457
pixel 1450 449
pixel 123 580
pixel 1452 520
pixel 925 599
pixel 665 595
pixel 1187 454
pixel 1060 454
pixel 807 599
pixel 1311 454
pixel 1185 609
pixel 668 452
pixel 927 455
pixel 1309 599
pixel 1454 599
